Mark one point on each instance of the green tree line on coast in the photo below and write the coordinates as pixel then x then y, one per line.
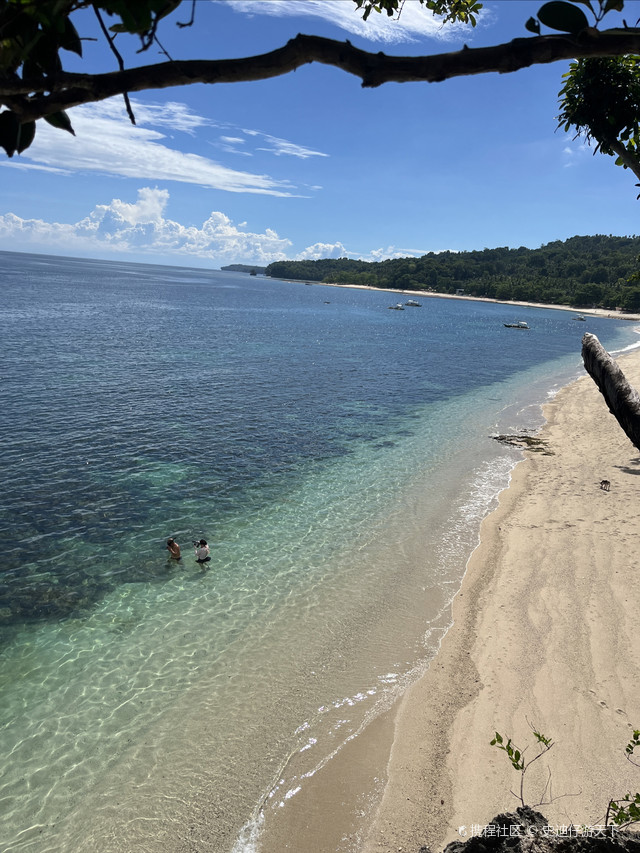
pixel 586 272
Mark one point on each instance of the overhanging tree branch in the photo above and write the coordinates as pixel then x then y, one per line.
pixel 36 98
pixel 626 158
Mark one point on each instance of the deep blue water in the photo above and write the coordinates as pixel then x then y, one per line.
pixel 240 383
pixel 335 454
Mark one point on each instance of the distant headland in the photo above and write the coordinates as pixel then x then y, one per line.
pixel 252 270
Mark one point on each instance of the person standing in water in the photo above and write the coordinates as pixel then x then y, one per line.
pixel 202 551
pixel 173 548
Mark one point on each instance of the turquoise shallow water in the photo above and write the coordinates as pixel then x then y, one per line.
pixel 337 457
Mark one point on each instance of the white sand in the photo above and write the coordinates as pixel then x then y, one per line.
pixel 546 632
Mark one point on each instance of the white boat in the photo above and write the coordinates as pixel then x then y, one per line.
pixel 519 325
pixel 397 307
pixel 580 317
pixel 413 303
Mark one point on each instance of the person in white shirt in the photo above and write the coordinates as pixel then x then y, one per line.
pixel 202 551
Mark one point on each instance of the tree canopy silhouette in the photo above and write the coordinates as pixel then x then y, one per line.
pixel 36 34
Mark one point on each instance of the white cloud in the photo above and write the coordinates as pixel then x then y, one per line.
pixel 281 147
pixel 232 145
pixel 170 114
pixel 574 151
pixel 338 250
pixel 258 141
pixel 140 228
pixel 392 252
pixel 322 250
pixel 108 144
pixel 414 23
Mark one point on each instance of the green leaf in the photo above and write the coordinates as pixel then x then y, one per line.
pixel 71 39
pixel 44 54
pixel 533 26
pixel 162 8
pixel 9 132
pixel 60 120
pixel 562 16
pixel 26 134
pixel 586 3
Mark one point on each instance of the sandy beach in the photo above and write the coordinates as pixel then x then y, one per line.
pixel 544 636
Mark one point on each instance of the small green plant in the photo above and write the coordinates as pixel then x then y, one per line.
pixel 626 810
pixel 621 812
pixel 517 759
pixel 635 741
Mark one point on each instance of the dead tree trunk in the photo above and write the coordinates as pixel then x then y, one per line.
pixel 623 400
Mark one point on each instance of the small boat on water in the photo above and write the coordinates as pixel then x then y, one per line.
pixel 413 303
pixel 519 325
pixel 580 317
pixel 397 307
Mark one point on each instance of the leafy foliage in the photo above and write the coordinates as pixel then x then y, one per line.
pixel 600 100
pixel 621 812
pixel 516 756
pixel 560 16
pixel 635 740
pixel 624 811
pixel 568 17
pixel 582 271
pixel 33 35
pixel 450 10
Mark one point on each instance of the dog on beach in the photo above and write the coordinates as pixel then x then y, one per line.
pixel 605 485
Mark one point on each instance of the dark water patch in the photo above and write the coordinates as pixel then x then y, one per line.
pixel 26 595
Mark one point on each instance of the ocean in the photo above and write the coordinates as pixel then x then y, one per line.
pixel 337 456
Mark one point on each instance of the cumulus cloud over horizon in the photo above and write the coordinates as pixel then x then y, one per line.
pixel 141 229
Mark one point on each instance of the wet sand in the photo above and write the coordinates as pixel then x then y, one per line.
pixel 545 635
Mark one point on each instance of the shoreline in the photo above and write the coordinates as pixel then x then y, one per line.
pixel 609 313
pixel 544 634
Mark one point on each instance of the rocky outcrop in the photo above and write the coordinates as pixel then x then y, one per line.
pixel 528 831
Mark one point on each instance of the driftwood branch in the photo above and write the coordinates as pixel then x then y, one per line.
pixel 34 98
pixel 622 399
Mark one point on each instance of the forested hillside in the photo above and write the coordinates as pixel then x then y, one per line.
pixel 582 271
pixel 244 268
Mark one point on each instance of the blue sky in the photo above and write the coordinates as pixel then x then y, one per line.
pixel 310 164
